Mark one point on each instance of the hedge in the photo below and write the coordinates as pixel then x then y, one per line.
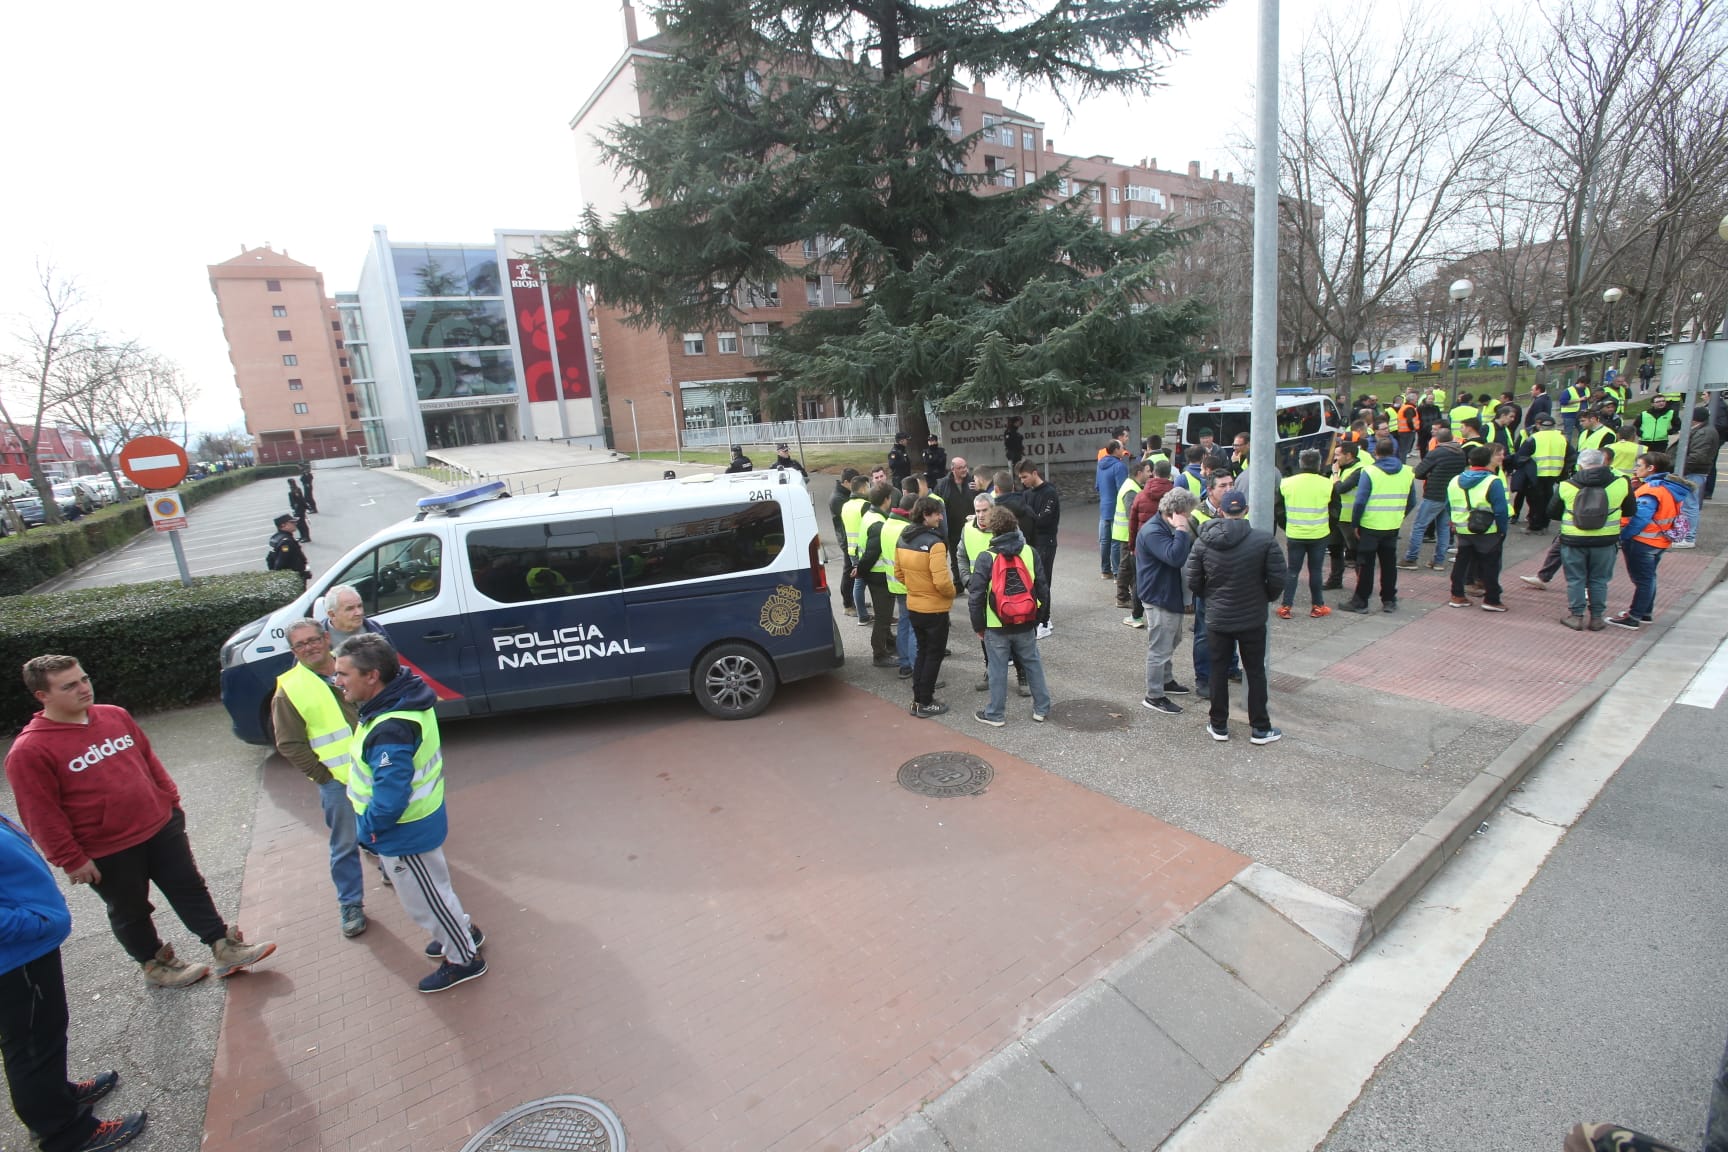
pixel 29 558
pixel 147 646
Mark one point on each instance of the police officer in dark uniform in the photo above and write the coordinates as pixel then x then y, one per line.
pixel 899 462
pixel 783 460
pixel 286 554
pixel 740 462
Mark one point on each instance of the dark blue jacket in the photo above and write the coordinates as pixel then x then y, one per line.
pixel 389 752
pixel 34 919
pixel 1160 553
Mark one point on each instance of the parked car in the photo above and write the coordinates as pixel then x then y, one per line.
pixel 1362 368
pixel 30 509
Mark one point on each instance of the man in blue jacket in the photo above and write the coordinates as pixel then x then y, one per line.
pixel 34 922
pixel 396 784
pixel 1111 473
pixel 1160 554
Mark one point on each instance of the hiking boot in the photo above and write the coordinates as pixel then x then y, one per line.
pixel 1458 602
pixel 449 975
pixel 1597 624
pixel 165 970
pixel 1174 688
pixel 233 954
pixel 1534 581
pixel 1576 623
pixel 934 708
pixel 1319 612
pixel 114 1133
pixel 1283 611
pixel 1162 704
pixel 1624 620
pixel 435 950
pixel 1333 583
pixel 353 920
pixel 87 1092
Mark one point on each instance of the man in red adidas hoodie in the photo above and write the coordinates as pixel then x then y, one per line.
pixel 100 805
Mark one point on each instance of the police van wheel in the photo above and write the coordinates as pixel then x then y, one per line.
pixel 734 681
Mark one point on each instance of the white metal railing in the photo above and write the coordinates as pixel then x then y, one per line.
pixel 832 430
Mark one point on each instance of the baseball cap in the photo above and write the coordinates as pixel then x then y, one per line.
pixel 1233 502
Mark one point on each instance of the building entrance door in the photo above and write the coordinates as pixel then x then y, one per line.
pixel 462 426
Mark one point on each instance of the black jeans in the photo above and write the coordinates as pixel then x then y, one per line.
pixel 165 860
pixel 1479 559
pixel 1046 553
pixel 1127 596
pixel 881 616
pixel 1223 646
pixel 1536 500
pixel 1377 547
pixel 1295 553
pixel 33 1021
pixel 931 628
pixel 845 583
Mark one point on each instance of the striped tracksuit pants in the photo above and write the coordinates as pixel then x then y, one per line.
pixel 422 883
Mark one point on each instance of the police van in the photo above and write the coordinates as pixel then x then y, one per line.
pixel 710 585
pixel 1305 420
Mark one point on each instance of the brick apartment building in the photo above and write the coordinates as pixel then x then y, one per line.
pixel 710 371
pixel 286 343
pixel 62 450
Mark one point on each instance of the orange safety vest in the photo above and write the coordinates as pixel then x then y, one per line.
pixel 1666 509
pixel 1407 419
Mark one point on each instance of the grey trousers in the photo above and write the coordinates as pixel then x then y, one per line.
pixel 1163 633
pixel 422 883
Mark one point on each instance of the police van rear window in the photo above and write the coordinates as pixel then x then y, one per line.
pixel 602 553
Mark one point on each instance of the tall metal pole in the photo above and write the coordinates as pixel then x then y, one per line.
pixel 677 426
pixel 1263 352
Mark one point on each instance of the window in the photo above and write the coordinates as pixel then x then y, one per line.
pixel 693 344
pixel 336 326
pixel 1093 194
pixel 338 345
pixel 300 409
pixel 726 343
pixel 544 561
pixel 1027 177
pixel 756 338
pixel 290 360
pixel 284 335
pixel 272 285
pixel 1025 139
pixel 455 324
pixel 1145 195
pixel 813 291
pixel 342 361
pixel 1062 186
pixel 1008 137
pixel 396 574
pixel 278 311
pixel 954 126
pixel 989 124
pixel 1116 225
pixel 1115 195
pixel 295 384
pixel 689 544
pixel 1008 178
pixel 762 295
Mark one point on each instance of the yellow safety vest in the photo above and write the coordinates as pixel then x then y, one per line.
pixel 1439 395
pixel 1626 454
pixel 1458 501
pixel 1593 438
pixel 1549 451
pixel 426 791
pixel 891 530
pixel 852 519
pixel 1388 497
pixel 1572 399
pixel 976 540
pixel 1616 491
pixel 1462 413
pixel 1124 501
pixel 1347 508
pixel 991 620
pixel 327 728
pixel 1307 500
pixel 1656 427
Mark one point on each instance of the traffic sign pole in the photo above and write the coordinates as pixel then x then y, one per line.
pixel 180 558
pixel 155 463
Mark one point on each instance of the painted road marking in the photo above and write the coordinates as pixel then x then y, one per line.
pixel 1706 688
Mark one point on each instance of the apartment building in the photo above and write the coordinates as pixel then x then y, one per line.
pixel 60 450
pixel 684 384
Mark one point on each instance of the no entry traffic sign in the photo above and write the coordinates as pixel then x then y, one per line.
pixel 153 462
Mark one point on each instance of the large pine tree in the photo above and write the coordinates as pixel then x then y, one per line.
pixel 783 122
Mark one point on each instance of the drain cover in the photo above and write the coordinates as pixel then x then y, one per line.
pixel 945 774
pixel 560 1123
pixel 1287 682
pixel 1091 715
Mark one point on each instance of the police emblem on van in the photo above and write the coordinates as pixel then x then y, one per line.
pixel 781 611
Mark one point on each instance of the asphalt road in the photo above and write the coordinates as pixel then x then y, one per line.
pixel 1599 997
pixel 229 533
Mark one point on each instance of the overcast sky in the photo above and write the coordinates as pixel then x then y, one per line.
pixel 145 142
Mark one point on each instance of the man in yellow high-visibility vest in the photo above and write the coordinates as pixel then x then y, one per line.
pixel 314 727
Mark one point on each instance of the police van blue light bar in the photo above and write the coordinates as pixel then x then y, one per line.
pixel 462 497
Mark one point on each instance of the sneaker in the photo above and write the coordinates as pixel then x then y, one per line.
pixel 905 673
pixel 1283 611
pixel 1235 677
pixel 1319 612
pixel 851 611
pixel 865 621
pixel 1624 620
pixel 1597 624
pixel 1684 544
pixel 1576 623
pixel 1534 581
pixel 1023 689
pixel 87 1092
pixel 353 920
pixel 983 719
pixel 1458 602
pixel 1162 704
pixel 1044 631
pixel 1353 606
pixel 1173 688
pixel 114 1133
pixel 1215 733
pixel 1265 736
pixel 233 954
pixel 435 950
pixel 385 876
pixel 1438 566
pixel 1107 575
pixel 1388 605
pixel 1611 1138
pixel 165 970
pixel 884 662
pixel 1040 717
pixel 983 684
pixel 934 708
pixel 1493 607
pixel 1475 590
pixel 1134 621
pixel 1333 583
pixel 1202 687
pixel 449 975
pixel 1409 565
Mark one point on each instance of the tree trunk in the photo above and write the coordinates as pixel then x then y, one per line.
pixel 1514 348
pixel 909 409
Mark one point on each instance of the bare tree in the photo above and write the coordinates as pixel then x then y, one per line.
pixel 27 372
pixel 90 390
pixel 1385 141
pixel 160 398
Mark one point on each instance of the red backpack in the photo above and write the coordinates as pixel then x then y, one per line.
pixel 1011 590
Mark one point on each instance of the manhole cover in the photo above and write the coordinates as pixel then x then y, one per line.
pixel 564 1123
pixel 1091 715
pixel 1287 682
pixel 944 774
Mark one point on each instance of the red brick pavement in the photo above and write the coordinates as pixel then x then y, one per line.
pixel 1516 666
pixel 740 935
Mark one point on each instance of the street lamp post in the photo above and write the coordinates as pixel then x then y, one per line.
pixel 1693 380
pixel 1460 291
pixel 1611 297
pixel 677 421
pixel 635 433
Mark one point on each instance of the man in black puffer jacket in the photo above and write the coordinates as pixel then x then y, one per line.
pixel 1239 570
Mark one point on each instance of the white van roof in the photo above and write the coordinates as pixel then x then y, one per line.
pixel 696 490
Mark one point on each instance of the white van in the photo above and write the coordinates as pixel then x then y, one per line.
pixel 1306 419
pixel 711 585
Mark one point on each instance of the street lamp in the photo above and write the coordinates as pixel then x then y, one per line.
pixel 677 434
pixel 1698 315
pixel 635 433
pixel 1612 297
pixel 1460 291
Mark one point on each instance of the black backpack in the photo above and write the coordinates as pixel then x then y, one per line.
pixel 1590 509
